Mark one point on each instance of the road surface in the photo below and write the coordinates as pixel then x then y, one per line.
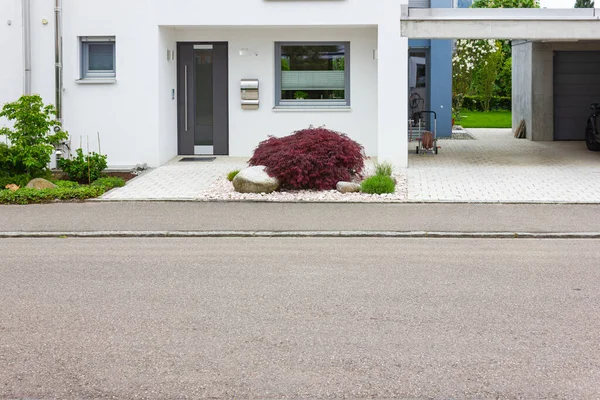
pixel 309 318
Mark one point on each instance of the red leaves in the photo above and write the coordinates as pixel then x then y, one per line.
pixel 313 158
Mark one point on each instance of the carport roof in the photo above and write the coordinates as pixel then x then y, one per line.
pixel 501 23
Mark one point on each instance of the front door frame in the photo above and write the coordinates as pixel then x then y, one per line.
pixel 186 97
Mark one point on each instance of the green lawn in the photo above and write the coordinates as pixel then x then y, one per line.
pixel 479 119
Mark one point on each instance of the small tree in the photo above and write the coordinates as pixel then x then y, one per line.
pixel 485 78
pixel 32 138
pixel 584 4
pixel 467 59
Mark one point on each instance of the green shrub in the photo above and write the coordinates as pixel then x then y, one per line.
pixel 31 196
pixel 384 169
pixel 475 103
pixel 109 182
pixel 232 175
pixel 66 184
pixel 83 168
pixel 378 184
pixel 19 180
pixel 32 139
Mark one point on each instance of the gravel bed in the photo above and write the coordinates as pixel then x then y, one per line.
pixel 222 190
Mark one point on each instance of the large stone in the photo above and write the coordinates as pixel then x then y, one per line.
pixel 347 187
pixel 255 180
pixel 40 183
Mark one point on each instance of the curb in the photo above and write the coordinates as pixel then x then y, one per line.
pixel 305 234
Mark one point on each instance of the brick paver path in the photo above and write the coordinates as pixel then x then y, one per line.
pixel 496 167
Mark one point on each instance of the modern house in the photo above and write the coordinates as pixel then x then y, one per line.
pixel 158 78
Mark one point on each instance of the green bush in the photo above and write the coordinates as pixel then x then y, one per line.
pixel 384 169
pixel 30 196
pixel 66 184
pixel 32 139
pixel 232 175
pixel 19 180
pixel 378 184
pixel 83 168
pixel 475 103
pixel 109 182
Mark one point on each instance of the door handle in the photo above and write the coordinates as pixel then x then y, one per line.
pixel 185 97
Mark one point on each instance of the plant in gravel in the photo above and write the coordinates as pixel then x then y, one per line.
pixel 32 137
pixel 232 175
pixel 378 184
pixel 313 158
pixel 83 168
pixel 30 196
pixel 384 169
pixel 109 182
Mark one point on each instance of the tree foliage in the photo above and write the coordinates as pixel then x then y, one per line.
pixel 32 137
pixel 584 4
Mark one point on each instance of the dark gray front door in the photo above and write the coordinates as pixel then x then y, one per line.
pixel 576 86
pixel 203 117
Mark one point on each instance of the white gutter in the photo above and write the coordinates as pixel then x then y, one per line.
pixel 26 10
pixel 58 59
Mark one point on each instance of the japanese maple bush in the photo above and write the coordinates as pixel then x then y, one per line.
pixel 313 158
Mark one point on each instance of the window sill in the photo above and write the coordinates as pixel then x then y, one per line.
pixel 312 109
pixel 96 81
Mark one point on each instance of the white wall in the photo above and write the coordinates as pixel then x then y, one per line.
pixel 136 116
pixel 167 96
pixel 247 127
pixel 11 44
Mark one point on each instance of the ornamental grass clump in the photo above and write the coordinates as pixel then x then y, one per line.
pixel 384 169
pixel 313 158
pixel 378 184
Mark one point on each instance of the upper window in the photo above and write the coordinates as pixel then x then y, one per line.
pixel 98 57
pixel 312 74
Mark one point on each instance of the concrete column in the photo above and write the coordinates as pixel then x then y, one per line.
pixel 392 93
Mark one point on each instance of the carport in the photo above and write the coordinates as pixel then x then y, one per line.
pixel 556 59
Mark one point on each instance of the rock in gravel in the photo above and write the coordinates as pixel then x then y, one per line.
pixel 40 183
pixel 255 180
pixel 347 187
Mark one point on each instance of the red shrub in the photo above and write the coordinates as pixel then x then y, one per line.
pixel 313 158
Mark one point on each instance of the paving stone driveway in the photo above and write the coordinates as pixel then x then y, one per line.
pixel 493 168
pixel 176 180
pixel 496 167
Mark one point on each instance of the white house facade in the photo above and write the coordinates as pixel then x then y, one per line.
pixel 158 78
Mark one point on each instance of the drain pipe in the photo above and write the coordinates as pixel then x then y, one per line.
pixel 26 8
pixel 58 58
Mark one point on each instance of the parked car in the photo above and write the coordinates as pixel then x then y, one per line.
pixel 592 132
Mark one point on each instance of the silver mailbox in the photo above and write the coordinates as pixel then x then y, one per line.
pixel 249 94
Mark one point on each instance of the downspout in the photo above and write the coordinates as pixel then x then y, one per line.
pixel 58 59
pixel 26 8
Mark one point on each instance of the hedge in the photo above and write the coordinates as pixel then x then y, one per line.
pixel 474 103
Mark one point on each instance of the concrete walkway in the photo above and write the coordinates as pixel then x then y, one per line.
pixel 495 167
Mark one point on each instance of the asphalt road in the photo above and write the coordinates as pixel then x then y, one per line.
pixel 299 318
pixel 246 216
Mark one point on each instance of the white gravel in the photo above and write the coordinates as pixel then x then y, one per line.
pixel 221 189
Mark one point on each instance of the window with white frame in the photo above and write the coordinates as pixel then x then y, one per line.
pixel 98 58
pixel 312 74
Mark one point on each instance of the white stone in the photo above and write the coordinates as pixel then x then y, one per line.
pixel 255 180
pixel 347 187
